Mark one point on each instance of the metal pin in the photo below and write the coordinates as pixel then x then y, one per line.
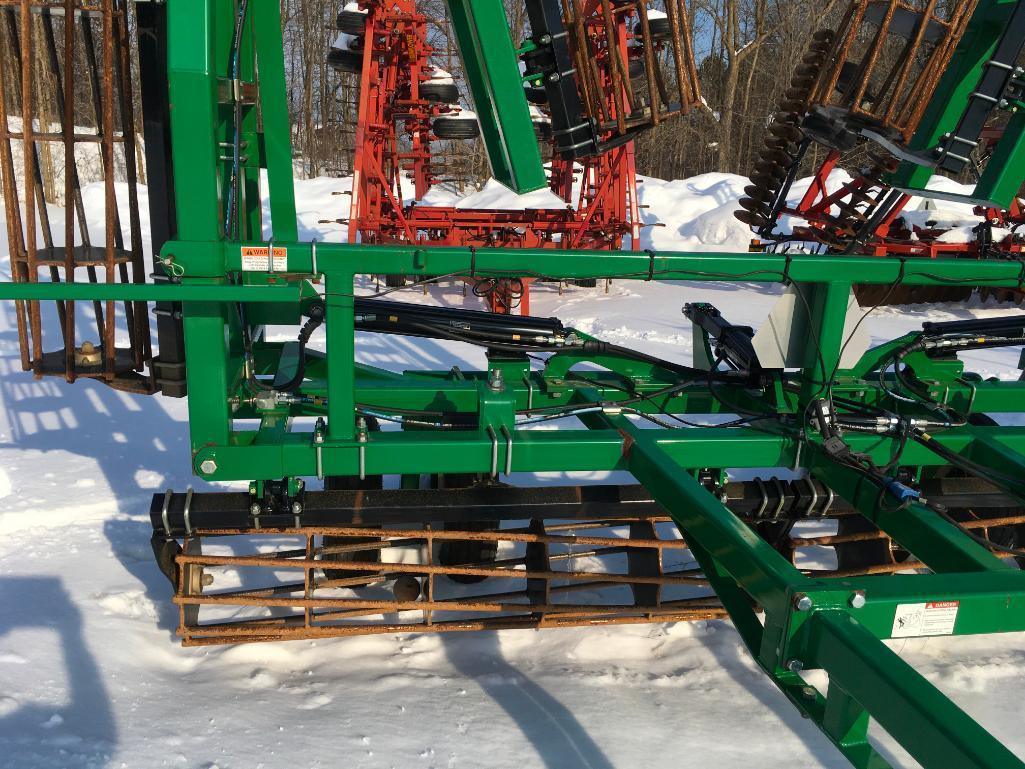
pixel 318 441
pixel 362 437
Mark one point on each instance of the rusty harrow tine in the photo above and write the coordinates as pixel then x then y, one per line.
pixel 27 113
pixel 89 47
pixel 422 569
pixel 649 63
pixel 195 636
pixel 11 207
pixel 110 199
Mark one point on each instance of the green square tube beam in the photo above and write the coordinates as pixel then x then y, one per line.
pixel 493 74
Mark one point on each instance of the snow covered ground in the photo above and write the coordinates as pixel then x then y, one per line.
pixel 92 676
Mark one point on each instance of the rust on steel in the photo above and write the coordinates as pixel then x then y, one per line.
pixel 67 121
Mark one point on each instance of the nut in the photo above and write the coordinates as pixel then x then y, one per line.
pixel 795 666
pixel 857 599
pixel 208 467
pixel 88 355
pixel 496 382
pixel 803 602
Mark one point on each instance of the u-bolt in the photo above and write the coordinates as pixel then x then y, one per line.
pixel 508 449
pixel 163 512
pixel 494 451
pixel 188 507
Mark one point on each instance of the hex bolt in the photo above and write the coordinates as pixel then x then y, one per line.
pixel 795 666
pixel 255 508
pixel 857 599
pixel 297 508
pixel 803 602
pixel 496 381
pixel 208 467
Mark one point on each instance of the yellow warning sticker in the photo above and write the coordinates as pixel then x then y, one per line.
pixel 255 259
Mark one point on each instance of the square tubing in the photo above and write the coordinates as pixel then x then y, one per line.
pixel 341 356
pixel 921 718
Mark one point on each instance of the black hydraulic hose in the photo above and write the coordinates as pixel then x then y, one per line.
pixel 305 333
pixel 234 186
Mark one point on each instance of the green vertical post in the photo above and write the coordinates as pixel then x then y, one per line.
pixel 828 302
pixel 209 414
pixel 341 356
pixel 493 75
pixel 194 118
pixel 277 131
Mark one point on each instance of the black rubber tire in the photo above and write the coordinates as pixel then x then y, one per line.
pixel 351 22
pixel 443 93
pixel 455 128
pixel 657 27
pixel 536 95
pixel 454 552
pixel 345 61
pixel 871 552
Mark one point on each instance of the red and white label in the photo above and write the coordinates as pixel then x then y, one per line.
pixel 913 620
pixel 256 259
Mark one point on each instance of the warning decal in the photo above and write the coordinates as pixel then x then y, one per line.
pixel 255 259
pixel 912 620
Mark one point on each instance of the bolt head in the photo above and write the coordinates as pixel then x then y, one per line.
pixel 255 508
pixel 208 467
pixel 857 599
pixel 803 602
pixel 297 508
pixel 808 692
pixel 795 666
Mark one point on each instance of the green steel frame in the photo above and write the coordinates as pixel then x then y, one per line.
pixel 790 622
pixel 1002 178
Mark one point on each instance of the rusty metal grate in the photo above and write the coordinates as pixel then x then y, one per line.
pixel 354 562
pixel 887 59
pixel 286 584
pixel 633 71
pixel 67 139
pixel 290 584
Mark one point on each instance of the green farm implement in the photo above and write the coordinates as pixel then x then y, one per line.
pixel 383 502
